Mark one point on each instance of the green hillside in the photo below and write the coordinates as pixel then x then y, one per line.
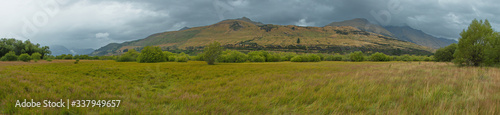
pixel 244 34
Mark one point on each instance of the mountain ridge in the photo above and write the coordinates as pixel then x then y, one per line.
pixel 245 34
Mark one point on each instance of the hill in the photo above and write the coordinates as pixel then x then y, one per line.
pixel 364 25
pixel 243 34
pixel 418 37
pixel 58 50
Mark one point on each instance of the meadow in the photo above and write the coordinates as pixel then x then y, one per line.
pixel 328 87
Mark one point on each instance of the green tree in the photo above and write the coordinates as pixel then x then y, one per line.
pixel 445 54
pixel 492 50
pixel 11 56
pixel 182 57
pixel 472 42
pixel 36 56
pixel 357 56
pixel 298 40
pixel 130 56
pixel 212 52
pixel 24 57
pixel 379 57
pixel 68 57
pixel 151 54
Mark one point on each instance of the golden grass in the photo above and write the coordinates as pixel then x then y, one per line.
pixel 255 88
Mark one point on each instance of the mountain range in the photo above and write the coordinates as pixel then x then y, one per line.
pixel 59 50
pixel 244 34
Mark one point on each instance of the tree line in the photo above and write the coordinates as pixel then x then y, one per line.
pixel 13 50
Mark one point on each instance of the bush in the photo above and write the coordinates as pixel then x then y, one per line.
pixel 182 57
pixel 11 56
pixel 77 60
pixel 24 57
pixel 379 57
pixel 130 56
pixel 68 57
pixel 212 52
pixel 168 54
pixel 49 60
pixel 230 56
pixel 287 56
pixel 445 54
pixel 297 58
pixel 257 58
pixel 406 58
pixel 357 56
pixel 306 58
pixel 36 56
pixel 273 57
pixel 151 54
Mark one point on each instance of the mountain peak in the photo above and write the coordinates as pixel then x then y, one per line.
pixel 184 28
pixel 362 24
pixel 248 20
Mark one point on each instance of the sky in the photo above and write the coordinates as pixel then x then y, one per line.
pixel 96 23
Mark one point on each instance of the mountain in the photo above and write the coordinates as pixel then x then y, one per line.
pixel 244 34
pixel 58 50
pixel 185 28
pixel 418 37
pixel 364 25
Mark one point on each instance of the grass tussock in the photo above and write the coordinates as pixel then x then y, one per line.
pixel 256 88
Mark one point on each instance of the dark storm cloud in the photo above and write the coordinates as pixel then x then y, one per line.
pixel 95 23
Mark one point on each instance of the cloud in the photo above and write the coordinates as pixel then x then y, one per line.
pixel 302 22
pixel 95 23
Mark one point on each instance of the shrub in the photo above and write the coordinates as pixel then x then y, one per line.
pixel 24 57
pixel 230 56
pixel 168 54
pixel 379 57
pixel 273 57
pixel 151 54
pixel 49 60
pixel 212 52
pixel 306 58
pixel 181 57
pixel 68 57
pixel 36 56
pixel 406 57
pixel 257 58
pixel 11 56
pixel 297 58
pixel 357 56
pixel 314 58
pixel 287 56
pixel 130 56
pixel 77 60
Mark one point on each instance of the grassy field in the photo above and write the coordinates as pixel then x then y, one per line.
pixel 254 88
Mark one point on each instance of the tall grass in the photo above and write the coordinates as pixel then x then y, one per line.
pixel 254 88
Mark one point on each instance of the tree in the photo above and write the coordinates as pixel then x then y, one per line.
pixel 11 56
pixel 357 56
pixel 151 55
pixel 212 52
pixel 129 56
pixel 298 40
pixel 492 50
pixel 68 57
pixel 472 42
pixel 379 57
pixel 24 57
pixel 445 54
pixel 36 56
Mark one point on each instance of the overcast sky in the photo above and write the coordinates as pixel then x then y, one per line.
pixel 95 23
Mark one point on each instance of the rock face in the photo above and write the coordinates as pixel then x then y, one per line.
pixel 244 34
pixel 364 25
